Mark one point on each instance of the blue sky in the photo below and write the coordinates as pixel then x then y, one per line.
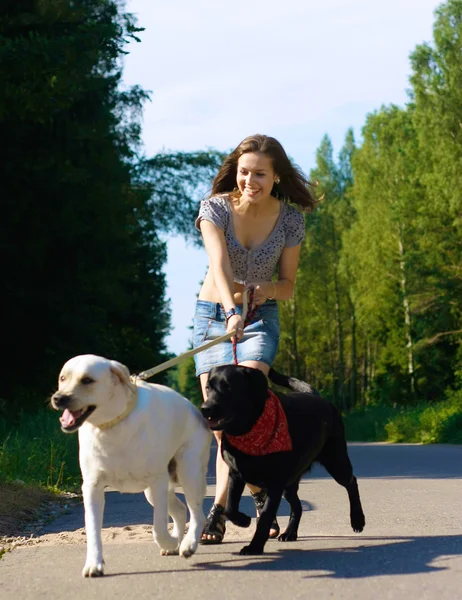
pixel 296 70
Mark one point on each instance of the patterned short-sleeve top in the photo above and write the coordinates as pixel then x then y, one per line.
pixel 259 263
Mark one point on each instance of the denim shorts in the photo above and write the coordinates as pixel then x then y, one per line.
pixel 260 341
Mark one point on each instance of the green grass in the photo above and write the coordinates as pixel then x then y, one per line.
pixel 437 423
pixel 37 452
pixel 368 424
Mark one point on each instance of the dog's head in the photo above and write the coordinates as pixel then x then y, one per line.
pixel 89 389
pixel 236 398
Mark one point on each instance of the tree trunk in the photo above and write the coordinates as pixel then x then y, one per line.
pixel 297 372
pixel 407 314
pixel 338 316
pixel 353 378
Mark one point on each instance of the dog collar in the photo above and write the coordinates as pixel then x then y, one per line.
pixel 269 434
pixel 130 407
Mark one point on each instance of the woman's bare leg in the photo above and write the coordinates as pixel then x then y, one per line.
pixel 222 470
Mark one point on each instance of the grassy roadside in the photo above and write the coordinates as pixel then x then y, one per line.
pixel 437 423
pixel 39 474
pixel 36 451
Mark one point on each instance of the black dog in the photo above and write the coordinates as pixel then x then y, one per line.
pixel 270 441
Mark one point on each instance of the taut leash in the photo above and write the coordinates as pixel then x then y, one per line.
pixel 248 316
pixel 223 338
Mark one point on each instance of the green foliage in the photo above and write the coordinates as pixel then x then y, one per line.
pixel 82 271
pixel 37 452
pixel 314 331
pixel 438 423
pixel 377 313
pixel 81 257
pixel 369 423
pixel 188 384
pixel 175 182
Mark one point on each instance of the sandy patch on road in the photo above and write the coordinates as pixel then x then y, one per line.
pixel 27 511
pixel 111 535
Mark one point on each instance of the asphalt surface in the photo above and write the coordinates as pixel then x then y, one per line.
pixel 411 547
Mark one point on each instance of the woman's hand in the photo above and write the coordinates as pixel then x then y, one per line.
pixel 262 290
pixel 235 322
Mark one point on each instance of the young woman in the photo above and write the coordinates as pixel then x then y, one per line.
pixel 250 232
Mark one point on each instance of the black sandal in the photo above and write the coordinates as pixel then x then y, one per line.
pixel 260 498
pixel 214 525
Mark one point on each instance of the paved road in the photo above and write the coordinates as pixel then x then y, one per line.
pixel 410 549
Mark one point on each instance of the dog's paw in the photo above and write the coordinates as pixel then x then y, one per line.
pixel 93 570
pixel 164 552
pixel 288 536
pixel 239 519
pixel 188 548
pixel 251 550
pixel 358 521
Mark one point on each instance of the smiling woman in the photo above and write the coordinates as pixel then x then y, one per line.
pixel 250 232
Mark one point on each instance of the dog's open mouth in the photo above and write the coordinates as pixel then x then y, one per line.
pixel 216 423
pixel 71 420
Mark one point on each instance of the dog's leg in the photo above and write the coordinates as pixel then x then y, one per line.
pixel 236 486
pixel 191 471
pixel 357 518
pixel 157 495
pixel 267 516
pixel 93 500
pixel 291 495
pixel 335 459
pixel 177 510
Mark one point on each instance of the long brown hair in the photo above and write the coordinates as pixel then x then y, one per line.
pixel 293 185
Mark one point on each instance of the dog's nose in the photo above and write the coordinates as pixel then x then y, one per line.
pixel 205 409
pixel 60 400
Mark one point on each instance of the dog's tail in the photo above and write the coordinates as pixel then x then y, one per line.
pixel 292 383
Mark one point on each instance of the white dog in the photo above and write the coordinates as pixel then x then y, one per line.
pixel 133 438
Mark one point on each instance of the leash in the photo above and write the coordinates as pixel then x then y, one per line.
pixel 223 338
pixel 247 318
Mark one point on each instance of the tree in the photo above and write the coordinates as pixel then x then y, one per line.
pixel 313 322
pixel 437 95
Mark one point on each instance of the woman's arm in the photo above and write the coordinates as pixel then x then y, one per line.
pixel 217 251
pixel 283 288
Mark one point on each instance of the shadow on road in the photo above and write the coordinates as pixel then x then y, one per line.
pixel 373 557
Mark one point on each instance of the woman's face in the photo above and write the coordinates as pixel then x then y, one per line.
pixel 255 176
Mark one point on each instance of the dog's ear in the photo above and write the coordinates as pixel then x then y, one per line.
pixel 257 378
pixel 120 371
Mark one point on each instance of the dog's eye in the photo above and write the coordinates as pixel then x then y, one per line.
pixel 62 378
pixel 87 380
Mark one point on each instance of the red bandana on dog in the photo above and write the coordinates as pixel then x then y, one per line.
pixel 269 434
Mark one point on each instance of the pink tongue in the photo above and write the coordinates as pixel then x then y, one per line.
pixel 67 419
